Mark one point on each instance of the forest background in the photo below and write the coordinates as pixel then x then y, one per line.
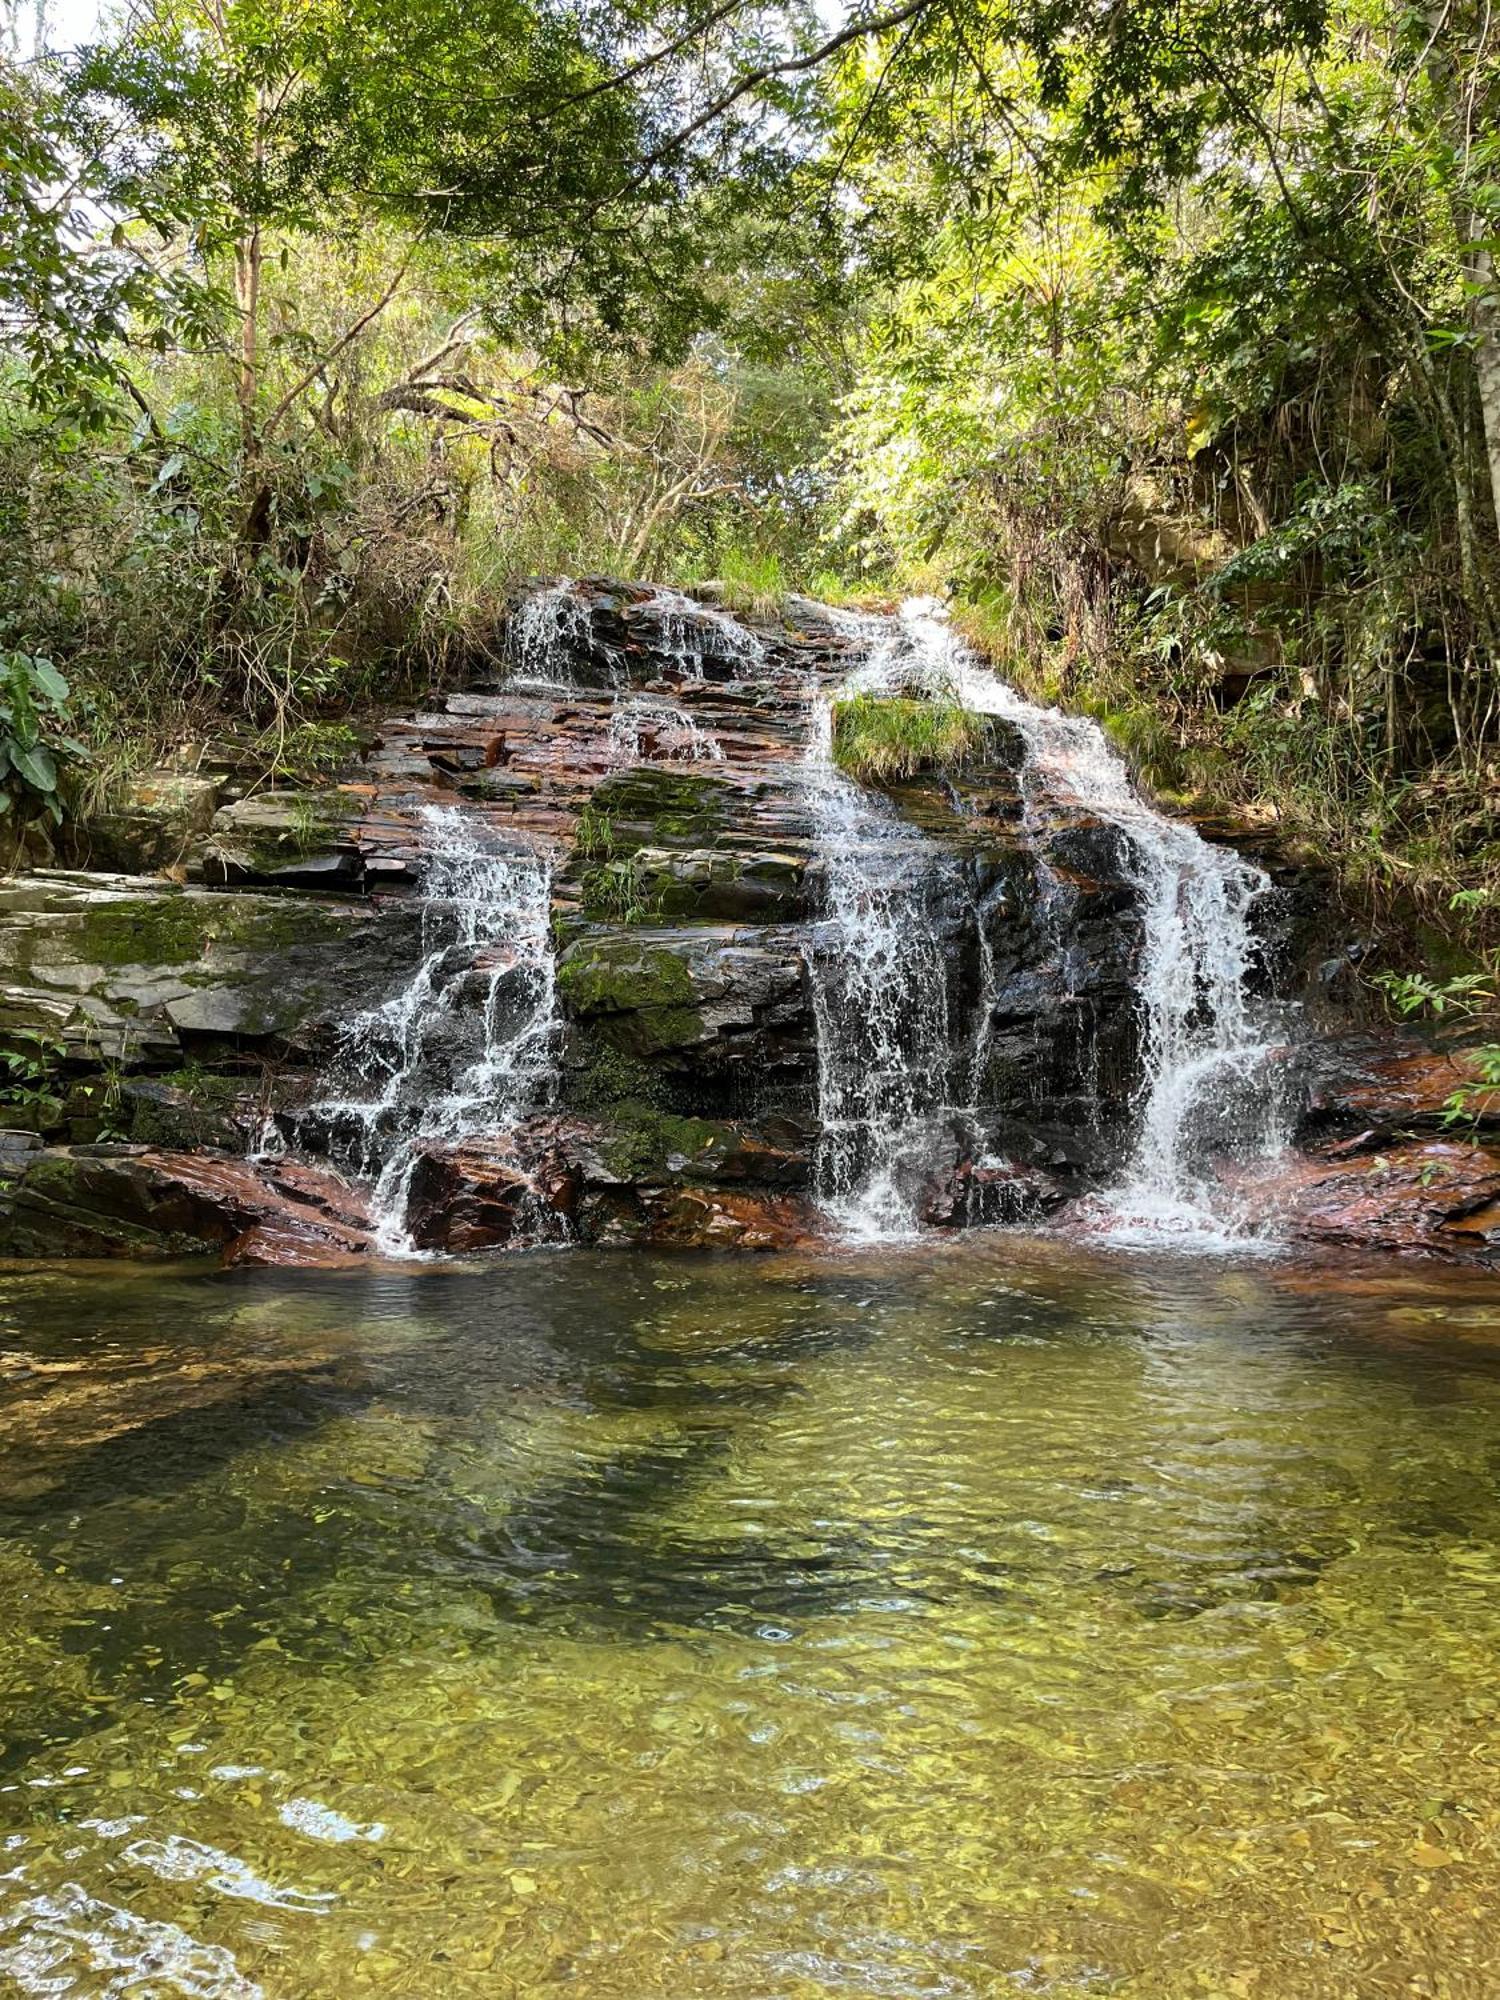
pixel 1164 339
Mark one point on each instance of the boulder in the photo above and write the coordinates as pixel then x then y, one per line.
pixel 308 839
pixel 129 1201
pixel 482 1197
pixel 137 972
pixel 152 825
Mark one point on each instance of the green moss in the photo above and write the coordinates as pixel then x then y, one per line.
pixel 650 804
pixel 177 930
pixel 642 996
pixel 877 738
pixel 184 1108
pixel 207 1087
pixel 649 1144
pixel 143 930
pixel 608 1076
pixel 619 976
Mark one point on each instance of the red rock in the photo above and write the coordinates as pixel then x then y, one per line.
pixel 728 1219
pixel 467 1198
pixel 128 1201
pixel 1389 1082
pixel 1429 1196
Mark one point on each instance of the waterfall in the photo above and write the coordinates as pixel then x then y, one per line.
pixel 465 1047
pixel 1206 1043
pixel 650 729
pixel 544 631
pixel 694 636
pixel 879 972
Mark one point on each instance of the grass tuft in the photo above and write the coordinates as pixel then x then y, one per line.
pixel 879 738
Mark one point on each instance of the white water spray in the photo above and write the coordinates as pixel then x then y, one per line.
pixel 650 729
pixel 697 637
pixel 879 976
pixel 1206 1043
pixel 544 631
pixel 487 958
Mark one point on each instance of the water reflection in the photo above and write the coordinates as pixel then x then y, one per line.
pixel 969 1620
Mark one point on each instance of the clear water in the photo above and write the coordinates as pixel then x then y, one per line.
pixel 973 1620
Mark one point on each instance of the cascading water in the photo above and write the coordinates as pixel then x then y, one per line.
pixel 694 637
pixel 1206 1043
pixel 544 630
pixel 879 973
pixel 465 1048
pixel 650 729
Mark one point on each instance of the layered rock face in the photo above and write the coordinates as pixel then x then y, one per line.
pixel 342 983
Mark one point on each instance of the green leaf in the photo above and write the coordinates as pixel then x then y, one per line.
pixel 37 766
pixel 48 679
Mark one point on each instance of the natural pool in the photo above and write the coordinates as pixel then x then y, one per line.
pixel 996 1617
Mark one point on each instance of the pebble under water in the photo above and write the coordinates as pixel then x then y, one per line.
pixel 983 1618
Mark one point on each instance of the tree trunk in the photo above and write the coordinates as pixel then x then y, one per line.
pixel 1484 312
pixel 247 265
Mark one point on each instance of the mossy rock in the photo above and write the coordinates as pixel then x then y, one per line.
pixel 612 975
pixel 62 1207
pixel 122 970
pixel 153 822
pixel 281 835
pixel 640 995
pixel 185 1109
pixel 649 804
pixel 644 1143
pixel 606 1076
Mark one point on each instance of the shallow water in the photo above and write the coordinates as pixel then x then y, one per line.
pixel 1001 1617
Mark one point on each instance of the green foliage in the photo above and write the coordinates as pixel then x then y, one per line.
pixel 878 738
pixel 618 893
pixel 35 747
pixel 1476 1099
pixel 1216 446
pixel 1417 993
pixel 594 834
pixel 29 1064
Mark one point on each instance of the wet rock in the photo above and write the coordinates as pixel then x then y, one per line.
pixel 1427 1196
pixel 129 1201
pixel 638 1143
pixel 1388 1083
pixel 138 972
pixel 189 1109
pixel 721 1017
pixel 982 1193
pixel 479 1197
